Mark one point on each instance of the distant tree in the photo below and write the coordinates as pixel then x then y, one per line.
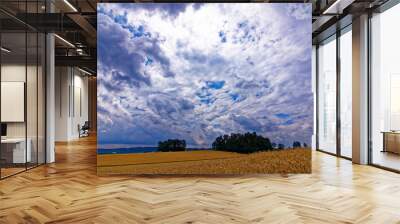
pixel 172 145
pixel 305 145
pixel 242 143
pixel 281 146
pixel 296 144
pixel 273 145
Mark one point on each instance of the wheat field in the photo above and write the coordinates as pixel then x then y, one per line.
pixel 206 162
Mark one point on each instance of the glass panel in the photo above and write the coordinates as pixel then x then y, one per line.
pixel 346 93
pixel 41 98
pixel 327 96
pixel 31 98
pixel 385 95
pixel 23 90
pixel 31 88
pixel 13 86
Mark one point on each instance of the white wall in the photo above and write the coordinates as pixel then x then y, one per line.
pixel 9 73
pixel 80 109
pixel 314 91
pixel 16 73
pixel 71 87
pixel 62 82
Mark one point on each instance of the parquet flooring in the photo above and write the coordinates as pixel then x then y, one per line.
pixel 69 191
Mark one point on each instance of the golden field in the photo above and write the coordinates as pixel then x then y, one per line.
pixel 161 157
pixel 206 162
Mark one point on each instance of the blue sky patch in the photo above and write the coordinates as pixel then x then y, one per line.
pixel 242 24
pixel 207 100
pixel 282 115
pixel 215 84
pixel 148 61
pixel 288 122
pixel 234 96
pixel 222 35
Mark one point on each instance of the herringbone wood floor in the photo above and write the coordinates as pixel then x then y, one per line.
pixel 69 191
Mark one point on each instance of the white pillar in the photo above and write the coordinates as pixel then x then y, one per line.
pixel 360 90
pixel 314 91
pixel 50 99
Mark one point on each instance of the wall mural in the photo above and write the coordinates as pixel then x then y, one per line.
pixel 204 88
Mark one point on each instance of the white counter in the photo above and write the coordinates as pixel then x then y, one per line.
pixel 19 153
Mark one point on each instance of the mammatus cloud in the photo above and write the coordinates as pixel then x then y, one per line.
pixel 196 71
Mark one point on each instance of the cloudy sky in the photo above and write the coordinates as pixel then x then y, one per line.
pixel 197 71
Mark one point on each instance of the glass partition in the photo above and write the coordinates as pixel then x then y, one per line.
pixel 13 110
pixel 346 93
pixel 327 95
pixel 31 99
pixel 385 89
pixel 41 96
pixel 22 78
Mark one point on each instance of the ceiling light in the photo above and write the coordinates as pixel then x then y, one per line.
pixel 5 50
pixel 331 7
pixel 338 6
pixel 86 72
pixel 64 40
pixel 79 51
pixel 70 5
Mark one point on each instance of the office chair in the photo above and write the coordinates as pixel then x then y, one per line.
pixel 84 130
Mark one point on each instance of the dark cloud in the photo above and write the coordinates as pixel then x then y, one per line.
pixel 102 110
pixel 194 56
pixel 165 105
pixel 113 55
pixel 200 58
pixel 126 66
pixel 197 6
pixel 247 123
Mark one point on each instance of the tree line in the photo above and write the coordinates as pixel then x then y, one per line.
pixel 171 145
pixel 235 142
pixel 242 143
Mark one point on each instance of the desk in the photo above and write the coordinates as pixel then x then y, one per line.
pixel 391 141
pixel 16 147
